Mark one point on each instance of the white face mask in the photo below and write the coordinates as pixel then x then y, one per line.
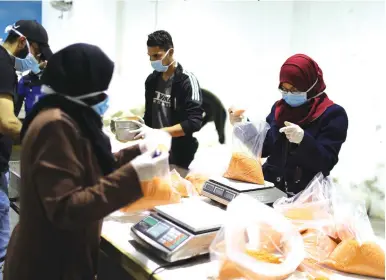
pixel 27 63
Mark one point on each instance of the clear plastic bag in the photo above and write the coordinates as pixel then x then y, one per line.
pixel 264 245
pixel 317 246
pixel 350 216
pixel 247 144
pixel 198 180
pixel 183 186
pixel 311 208
pixel 337 232
pixel 158 189
pixel 359 250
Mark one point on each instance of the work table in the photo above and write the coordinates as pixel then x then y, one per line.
pixel 140 264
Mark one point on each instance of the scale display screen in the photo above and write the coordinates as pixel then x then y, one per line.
pixel 145 224
pixel 158 229
pixel 162 232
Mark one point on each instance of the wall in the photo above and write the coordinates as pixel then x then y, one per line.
pixel 12 11
pixel 348 40
pixel 88 22
pixel 236 48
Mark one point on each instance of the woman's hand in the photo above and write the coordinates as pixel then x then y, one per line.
pixel 235 115
pixel 156 139
pixel 293 132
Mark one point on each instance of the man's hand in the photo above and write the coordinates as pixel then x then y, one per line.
pixel 293 132
pixel 142 131
pixel 9 123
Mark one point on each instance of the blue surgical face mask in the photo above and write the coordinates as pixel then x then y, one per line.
pixel 100 108
pixel 295 99
pixel 27 63
pixel 158 66
pixel 298 98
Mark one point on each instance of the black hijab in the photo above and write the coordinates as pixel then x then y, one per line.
pixel 77 70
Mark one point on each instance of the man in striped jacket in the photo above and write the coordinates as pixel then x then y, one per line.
pixel 173 100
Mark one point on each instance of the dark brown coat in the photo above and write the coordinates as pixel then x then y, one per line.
pixel 63 200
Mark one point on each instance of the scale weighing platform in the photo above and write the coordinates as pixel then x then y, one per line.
pixel 224 190
pixel 179 231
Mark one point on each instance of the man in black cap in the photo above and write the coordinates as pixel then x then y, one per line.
pixel 29 85
pixel 26 48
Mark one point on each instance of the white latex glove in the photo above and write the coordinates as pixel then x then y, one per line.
pixel 235 116
pixel 293 132
pixel 149 166
pixel 142 131
pixel 154 139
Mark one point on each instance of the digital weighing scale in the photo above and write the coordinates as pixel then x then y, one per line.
pixel 223 190
pixel 179 231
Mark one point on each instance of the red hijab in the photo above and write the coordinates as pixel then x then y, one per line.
pixel 302 71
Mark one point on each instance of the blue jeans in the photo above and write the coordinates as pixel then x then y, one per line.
pixel 4 218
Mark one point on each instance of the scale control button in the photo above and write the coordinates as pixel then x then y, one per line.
pixel 219 191
pixel 209 188
pixel 229 196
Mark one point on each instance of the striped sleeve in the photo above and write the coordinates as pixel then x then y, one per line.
pixel 195 93
pixel 193 104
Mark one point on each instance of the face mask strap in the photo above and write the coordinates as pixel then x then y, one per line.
pixel 88 95
pixel 165 56
pixel 48 90
pixel 313 85
pixel 10 28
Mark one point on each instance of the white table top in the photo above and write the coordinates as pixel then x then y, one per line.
pixel 116 230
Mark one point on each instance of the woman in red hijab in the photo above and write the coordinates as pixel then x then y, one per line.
pixel 307 128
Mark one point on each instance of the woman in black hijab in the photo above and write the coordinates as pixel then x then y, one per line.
pixel 70 180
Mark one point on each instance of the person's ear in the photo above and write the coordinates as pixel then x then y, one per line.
pixel 171 52
pixel 22 42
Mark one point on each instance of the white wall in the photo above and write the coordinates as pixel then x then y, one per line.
pixel 89 21
pixel 236 48
pixel 347 39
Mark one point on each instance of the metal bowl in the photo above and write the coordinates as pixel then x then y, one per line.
pixel 123 128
